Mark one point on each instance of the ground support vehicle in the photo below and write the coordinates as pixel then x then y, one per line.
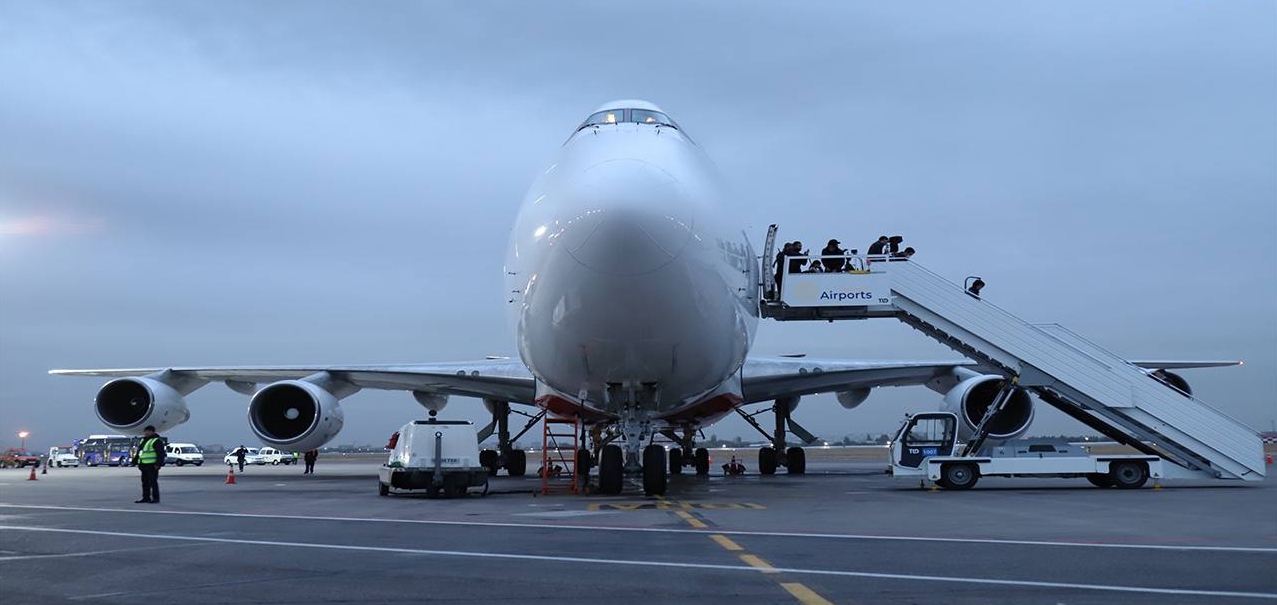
pixel 926 448
pixel 61 455
pixel 438 456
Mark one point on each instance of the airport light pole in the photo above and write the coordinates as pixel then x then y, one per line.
pixel 23 436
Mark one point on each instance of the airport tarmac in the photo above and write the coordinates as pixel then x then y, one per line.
pixel 844 533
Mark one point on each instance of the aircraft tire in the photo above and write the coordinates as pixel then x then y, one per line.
pixel 766 461
pixel 796 461
pixel 654 461
pixel 702 461
pixel 611 469
pixel 517 463
pixel 676 461
pixel 490 460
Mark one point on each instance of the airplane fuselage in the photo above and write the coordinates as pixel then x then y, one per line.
pixel 627 282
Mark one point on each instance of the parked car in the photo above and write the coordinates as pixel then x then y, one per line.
pixel 60 456
pixel 252 457
pixel 18 458
pixel 271 455
pixel 182 454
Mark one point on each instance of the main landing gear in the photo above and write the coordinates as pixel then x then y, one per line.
pixel 685 455
pixel 776 455
pixel 506 456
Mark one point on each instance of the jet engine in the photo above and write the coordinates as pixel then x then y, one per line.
pixel 128 404
pixel 971 398
pixel 1173 380
pixel 851 399
pixel 295 415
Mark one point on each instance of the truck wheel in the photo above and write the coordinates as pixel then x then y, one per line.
pixel 1128 475
pixel 490 460
pixel 959 476
pixel 274 463
pixel 1099 480
pixel 611 469
pixel 517 464
pixel 702 461
pixel 796 459
pixel 766 461
pixel 383 489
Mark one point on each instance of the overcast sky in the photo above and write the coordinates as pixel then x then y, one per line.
pixel 229 183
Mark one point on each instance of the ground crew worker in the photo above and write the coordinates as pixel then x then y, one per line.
pixel 150 457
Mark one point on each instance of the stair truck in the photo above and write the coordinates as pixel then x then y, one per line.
pixel 926 447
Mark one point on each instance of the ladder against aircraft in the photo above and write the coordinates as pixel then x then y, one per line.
pixel 1068 372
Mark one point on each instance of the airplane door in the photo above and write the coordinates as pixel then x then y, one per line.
pixel 924 436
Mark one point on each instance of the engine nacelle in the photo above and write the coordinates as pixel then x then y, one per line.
pixel 1173 380
pixel 851 399
pixel 432 401
pixel 295 415
pixel 971 398
pixel 129 404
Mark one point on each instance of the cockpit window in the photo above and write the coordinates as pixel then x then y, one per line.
pixel 643 116
pixel 610 116
pixel 639 116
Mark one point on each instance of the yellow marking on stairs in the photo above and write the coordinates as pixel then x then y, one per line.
pixel 725 542
pixel 805 595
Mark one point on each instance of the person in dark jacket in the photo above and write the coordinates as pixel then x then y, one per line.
pixel 879 247
pixel 240 455
pixel 150 457
pixel 310 457
pixel 832 257
pixel 796 263
pixel 893 244
pixel 786 250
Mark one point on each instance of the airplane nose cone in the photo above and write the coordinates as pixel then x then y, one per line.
pixel 632 219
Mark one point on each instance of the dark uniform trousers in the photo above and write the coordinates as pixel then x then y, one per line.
pixel 150 481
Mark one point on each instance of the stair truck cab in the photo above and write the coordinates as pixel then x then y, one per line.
pixel 438 456
pixel 926 447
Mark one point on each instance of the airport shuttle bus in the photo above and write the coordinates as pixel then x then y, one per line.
pixel 110 450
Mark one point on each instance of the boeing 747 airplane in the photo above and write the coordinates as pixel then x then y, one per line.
pixel 634 300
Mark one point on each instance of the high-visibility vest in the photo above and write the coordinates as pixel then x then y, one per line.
pixel 147 454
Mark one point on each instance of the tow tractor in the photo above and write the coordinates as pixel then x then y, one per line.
pixel 927 446
pixel 439 456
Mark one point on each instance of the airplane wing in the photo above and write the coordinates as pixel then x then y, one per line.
pixel 503 379
pixel 764 379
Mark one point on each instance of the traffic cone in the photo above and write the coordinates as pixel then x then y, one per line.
pixel 45 470
pixel 230 476
pixel 32 477
pixel 1268 459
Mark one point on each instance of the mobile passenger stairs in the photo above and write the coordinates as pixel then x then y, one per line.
pixel 1076 376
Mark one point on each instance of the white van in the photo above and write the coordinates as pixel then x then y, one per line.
pixel 183 454
pixel 413 462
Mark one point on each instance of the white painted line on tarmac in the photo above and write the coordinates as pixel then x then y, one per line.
pixel 87 554
pixel 636 563
pixel 662 530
